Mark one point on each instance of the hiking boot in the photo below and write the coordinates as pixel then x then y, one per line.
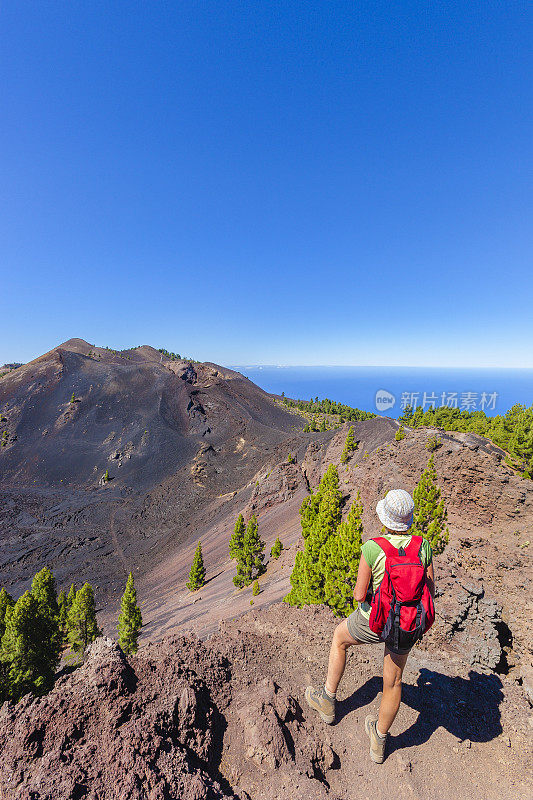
pixel 319 701
pixel 377 744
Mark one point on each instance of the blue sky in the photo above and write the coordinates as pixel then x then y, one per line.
pixel 277 183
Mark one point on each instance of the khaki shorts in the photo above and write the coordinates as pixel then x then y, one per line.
pixel 359 629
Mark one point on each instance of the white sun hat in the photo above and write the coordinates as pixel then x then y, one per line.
pixel 395 511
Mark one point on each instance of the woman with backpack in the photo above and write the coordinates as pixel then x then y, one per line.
pixel 398 611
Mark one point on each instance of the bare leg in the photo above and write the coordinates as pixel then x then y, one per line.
pixel 393 666
pixel 337 655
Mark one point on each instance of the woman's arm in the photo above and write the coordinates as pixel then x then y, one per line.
pixel 364 574
pixel 430 578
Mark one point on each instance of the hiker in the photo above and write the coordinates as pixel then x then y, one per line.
pixel 397 565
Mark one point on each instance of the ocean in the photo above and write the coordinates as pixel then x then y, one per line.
pixel 386 390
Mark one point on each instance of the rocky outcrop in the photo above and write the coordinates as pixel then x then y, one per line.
pixel 226 718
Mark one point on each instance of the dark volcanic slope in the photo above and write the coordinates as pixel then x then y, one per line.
pixel 191 432
pixel 136 413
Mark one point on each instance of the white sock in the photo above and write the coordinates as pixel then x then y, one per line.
pixel 331 695
pixel 381 735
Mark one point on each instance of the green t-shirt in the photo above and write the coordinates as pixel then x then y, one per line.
pixel 375 558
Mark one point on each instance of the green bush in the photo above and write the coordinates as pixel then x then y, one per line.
pixel 400 434
pixel 276 549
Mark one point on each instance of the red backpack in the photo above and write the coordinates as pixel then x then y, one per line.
pixel 402 606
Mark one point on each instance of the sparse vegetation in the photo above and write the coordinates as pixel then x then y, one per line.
pixel 330 407
pixel 512 431
pixel 168 354
pixel 197 573
pixel 350 446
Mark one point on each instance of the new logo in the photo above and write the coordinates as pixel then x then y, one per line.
pixel 384 400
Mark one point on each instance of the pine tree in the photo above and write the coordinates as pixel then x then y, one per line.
pixel 400 434
pixel 197 573
pixel 255 588
pixel 320 515
pixel 276 549
pixel 43 588
pixel 339 561
pixel 81 619
pixel 430 515
pixel 349 446
pixel 62 604
pixel 73 398
pixel 130 619
pixel 27 662
pixel 237 538
pixel 6 601
pixel 323 425
pixel 105 477
pixel 250 560
pixel 71 595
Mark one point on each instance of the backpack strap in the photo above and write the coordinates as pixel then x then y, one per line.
pixel 386 546
pixel 414 548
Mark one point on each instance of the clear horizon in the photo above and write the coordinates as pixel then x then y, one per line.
pixel 345 184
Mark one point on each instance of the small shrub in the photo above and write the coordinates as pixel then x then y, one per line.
pixel 433 443
pixel 400 434
pixel 277 547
